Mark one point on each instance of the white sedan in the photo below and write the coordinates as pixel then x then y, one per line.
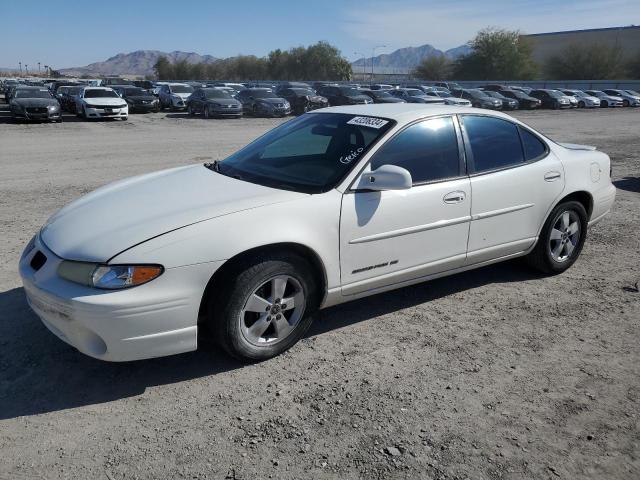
pixel 337 204
pixel 100 102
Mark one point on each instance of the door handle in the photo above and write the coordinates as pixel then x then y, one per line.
pixel 552 176
pixel 454 197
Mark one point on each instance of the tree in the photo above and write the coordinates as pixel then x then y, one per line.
pixel 163 68
pixel 496 54
pixel 586 62
pixel 633 66
pixel 433 67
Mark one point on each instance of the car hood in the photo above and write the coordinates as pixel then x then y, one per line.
pixel 35 102
pixel 224 101
pixel 141 98
pixel 182 95
pixel 271 101
pixel 120 215
pixel 104 101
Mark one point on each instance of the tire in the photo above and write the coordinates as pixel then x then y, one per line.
pixel 231 315
pixel 206 112
pixel 604 104
pixel 556 106
pixel 84 113
pixel 190 110
pixel 580 104
pixel 625 103
pixel 543 257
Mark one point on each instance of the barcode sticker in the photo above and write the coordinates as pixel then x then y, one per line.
pixel 368 122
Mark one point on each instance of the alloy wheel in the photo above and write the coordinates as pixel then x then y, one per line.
pixel 564 236
pixel 272 311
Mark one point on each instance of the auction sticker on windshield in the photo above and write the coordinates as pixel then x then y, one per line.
pixel 368 122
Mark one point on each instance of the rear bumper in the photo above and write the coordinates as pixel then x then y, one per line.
pixel 152 320
pixel 602 202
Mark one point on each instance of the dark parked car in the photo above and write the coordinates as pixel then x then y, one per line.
pixel 263 102
pixel 213 102
pixel 67 97
pixel 494 87
pixel 414 95
pixel 146 84
pixel 478 98
pixel 451 86
pixel 382 96
pixel 525 101
pixel 551 98
pixel 285 85
pixel 303 99
pixel 507 103
pixel 109 82
pixel 138 99
pixel 341 95
pixel 35 103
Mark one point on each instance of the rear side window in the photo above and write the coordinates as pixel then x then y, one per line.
pixel 532 145
pixel 428 150
pixel 495 143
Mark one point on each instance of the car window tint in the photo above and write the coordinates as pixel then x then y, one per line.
pixel 495 143
pixel 533 146
pixel 428 150
pixel 299 143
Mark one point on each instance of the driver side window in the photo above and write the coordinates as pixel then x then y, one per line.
pixel 428 150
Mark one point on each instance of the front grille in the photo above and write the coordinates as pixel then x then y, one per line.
pixel 38 260
pixel 102 107
pixel 36 109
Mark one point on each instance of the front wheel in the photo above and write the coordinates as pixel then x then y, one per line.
pixel 265 305
pixel 625 103
pixel 561 239
pixel 207 112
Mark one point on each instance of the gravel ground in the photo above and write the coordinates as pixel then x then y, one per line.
pixel 498 373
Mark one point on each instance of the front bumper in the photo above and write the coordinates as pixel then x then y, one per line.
pixel 144 107
pixel 99 112
pixel 178 103
pixel 227 111
pixel 152 320
pixel 37 114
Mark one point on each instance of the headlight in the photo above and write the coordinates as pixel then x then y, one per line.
pixel 53 108
pixel 286 105
pixel 109 277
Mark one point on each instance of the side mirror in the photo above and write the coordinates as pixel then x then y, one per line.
pixel 386 177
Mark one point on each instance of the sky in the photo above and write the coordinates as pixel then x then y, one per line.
pixel 75 33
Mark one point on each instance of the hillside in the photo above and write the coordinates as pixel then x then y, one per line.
pixel 409 57
pixel 140 62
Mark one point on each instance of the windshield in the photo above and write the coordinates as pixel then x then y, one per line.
pixel 596 93
pixel 181 89
pixel 216 94
pixel 380 94
pixel 477 93
pixel 303 91
pixel 29 93
pixel 414 92
pixel 100 94
pixel 309 154
pixel 555 93
pixel 262 94
pixel 350 92
pixel 136 92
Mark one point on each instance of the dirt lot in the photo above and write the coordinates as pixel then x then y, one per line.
pixel 495 373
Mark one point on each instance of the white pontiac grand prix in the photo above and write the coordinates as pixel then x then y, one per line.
pixel 334 205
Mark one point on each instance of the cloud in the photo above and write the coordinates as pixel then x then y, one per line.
pixel 446 25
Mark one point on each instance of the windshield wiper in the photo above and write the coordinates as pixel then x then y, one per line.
pixel 215 166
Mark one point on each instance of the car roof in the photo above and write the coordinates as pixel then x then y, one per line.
pixel 94 88
pixel 404 113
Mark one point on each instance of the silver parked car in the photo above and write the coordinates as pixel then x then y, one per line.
pixel 584 100
pixel 628 99
pixel 606 100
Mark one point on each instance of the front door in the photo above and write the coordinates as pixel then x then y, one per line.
pixel 391 237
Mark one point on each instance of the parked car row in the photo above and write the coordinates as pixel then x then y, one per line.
pixel 117 97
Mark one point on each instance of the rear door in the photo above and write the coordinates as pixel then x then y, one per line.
pixel 515 179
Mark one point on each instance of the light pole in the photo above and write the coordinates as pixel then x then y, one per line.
pixel 26 69
pixel 364 63
pixel 46 70
pixel 38 68
pixel 373 56
pixel 20 64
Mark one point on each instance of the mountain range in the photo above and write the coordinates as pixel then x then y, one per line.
pixel 141 62
pixel 410 57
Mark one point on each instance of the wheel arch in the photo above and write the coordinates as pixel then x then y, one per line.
pixel 318 267
pixel 581 196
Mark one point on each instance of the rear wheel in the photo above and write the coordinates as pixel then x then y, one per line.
pixel 207 112
pixel 580 104
pixel 561 239
pixel 625 103
pixel 190 110
pixel 264 306
pixel 604 104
